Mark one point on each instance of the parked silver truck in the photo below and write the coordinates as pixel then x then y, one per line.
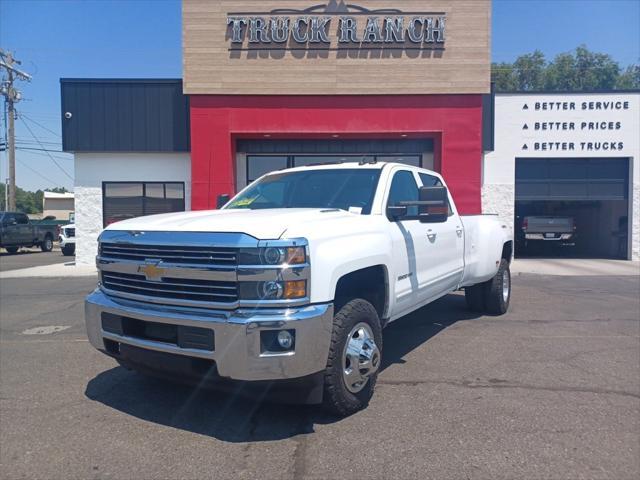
pixel 560 230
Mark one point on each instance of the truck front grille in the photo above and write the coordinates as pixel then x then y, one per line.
pixel 169 254
pixel 70 232
pixel 190 290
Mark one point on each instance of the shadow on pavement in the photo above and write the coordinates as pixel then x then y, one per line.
pixel 234 417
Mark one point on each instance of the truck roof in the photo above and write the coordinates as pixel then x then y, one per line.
pixel 351 165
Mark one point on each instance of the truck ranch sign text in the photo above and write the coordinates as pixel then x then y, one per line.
pixel 350 29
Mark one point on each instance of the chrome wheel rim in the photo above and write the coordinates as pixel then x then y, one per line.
pixel 360 358
pixel 506 285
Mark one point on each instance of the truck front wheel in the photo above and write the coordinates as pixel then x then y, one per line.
pixel 12 250
pixel 355 355
pixel 68 250
pixel 47 244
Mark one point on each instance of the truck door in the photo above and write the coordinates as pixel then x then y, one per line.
pixel 9 229
pixel 445 248
pixel 24 229
pixel 411 273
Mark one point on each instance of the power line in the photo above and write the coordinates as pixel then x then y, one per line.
pixel 38 124
pixel 31 142
pixel 44 149
pixel 38 152
pixel 34 171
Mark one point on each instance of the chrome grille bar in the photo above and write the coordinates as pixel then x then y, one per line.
pixel 177 255
pixel 207 291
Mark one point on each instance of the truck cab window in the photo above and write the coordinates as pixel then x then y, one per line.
pixel 404 189
pixel 431 181
pixel 22 219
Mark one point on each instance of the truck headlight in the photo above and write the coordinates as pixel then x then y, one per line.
pixel 272 256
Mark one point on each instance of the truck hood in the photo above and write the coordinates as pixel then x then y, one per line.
pixel 261 224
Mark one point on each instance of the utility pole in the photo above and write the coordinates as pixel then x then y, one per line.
pixel 11 97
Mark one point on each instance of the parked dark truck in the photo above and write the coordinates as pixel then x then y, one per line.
pixel 16 230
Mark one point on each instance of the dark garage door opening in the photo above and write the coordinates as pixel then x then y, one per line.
pixel 589 196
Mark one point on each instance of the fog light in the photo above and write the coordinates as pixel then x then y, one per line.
pixel 271 290
pixel 285 339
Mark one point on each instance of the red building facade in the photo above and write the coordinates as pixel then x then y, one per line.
pixel 453 122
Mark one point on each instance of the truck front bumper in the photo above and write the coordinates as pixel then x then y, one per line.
pixel 64 241
pixel 238 348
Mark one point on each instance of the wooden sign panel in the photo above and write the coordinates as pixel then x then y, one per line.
pixel 302 47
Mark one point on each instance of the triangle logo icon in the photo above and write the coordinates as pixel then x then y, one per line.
pixel 524 147
pixel 525 127
pixel 526 107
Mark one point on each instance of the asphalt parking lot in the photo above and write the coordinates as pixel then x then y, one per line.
pixel 31 257
pixel 551 390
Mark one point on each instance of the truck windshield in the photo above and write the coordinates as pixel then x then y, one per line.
pixel 327 188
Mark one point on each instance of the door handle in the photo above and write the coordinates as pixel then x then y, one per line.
pixel 459 231
pixel 431 236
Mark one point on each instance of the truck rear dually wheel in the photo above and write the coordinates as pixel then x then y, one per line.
pixel 492 296
pixel 12 250
pixel 474 295
pixel 355 355
pixel 68 250
pixel 498 290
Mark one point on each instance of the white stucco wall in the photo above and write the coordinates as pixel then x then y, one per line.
pixel 559 111
pixel 91 169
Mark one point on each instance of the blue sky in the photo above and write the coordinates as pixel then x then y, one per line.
pixel 140 38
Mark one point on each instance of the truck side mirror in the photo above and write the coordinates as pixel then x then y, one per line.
pixel 433 205
pixel 222 200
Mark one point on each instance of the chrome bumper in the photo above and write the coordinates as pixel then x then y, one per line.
pixel 237 352
pixel 540 236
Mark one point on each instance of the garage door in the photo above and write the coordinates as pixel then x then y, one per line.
pixel 592 192
pixel 572 178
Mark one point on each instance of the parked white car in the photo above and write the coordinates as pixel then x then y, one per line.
pixel 293 280
pixel 67 239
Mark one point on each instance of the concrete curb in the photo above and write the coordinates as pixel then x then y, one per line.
pixel 575 267
pixel 69 269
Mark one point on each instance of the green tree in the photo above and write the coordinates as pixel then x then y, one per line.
pixel 503 75
pixel 28 202
pixel 559 75
pixel 530 71
pixel 629 79
pixel 578 70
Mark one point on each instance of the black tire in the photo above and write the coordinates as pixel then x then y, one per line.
pixel 12 250
pixel 475 297
pixel 68 250
pixel 47 244
pixel 497 302
pixel 337 398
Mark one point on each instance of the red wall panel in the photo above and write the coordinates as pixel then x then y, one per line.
pixel 453 121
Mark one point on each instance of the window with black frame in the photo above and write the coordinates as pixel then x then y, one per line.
pixel 123 200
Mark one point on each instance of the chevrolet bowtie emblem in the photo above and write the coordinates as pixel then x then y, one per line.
pixel 152 271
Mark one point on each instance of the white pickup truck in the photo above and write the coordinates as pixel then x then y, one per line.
pixel 291 283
